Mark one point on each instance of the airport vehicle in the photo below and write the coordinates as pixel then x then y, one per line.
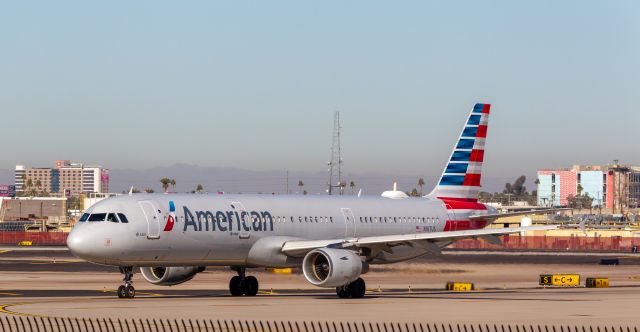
pixel 173 237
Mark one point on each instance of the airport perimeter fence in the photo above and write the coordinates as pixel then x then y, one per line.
pixel 553 243
pixel 39 323
pixel 513 242
pixel 34 238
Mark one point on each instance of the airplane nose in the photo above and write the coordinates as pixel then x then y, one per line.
pixel 78 244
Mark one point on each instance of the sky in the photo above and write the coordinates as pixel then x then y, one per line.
pixel 254 84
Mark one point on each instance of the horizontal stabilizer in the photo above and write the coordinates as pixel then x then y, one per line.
pixel 490 217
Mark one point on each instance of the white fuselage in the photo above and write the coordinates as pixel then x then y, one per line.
pixel 222 229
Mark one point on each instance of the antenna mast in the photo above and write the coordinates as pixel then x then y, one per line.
pixel 336 157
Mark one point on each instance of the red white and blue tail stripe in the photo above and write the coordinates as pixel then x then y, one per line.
pixel 460 179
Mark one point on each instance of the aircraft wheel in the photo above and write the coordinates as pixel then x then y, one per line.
pixel 235 286
pixel 343 292
pixel 250 286
pixel 121 293
pixel 358 288
pixel 130 292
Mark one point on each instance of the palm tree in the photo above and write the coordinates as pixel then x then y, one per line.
pixel 421 184
pixel 165 184
pixel 199 188
pixel 173 184
pixel 38 184
pixel 301 184
pixel 352 185
pixel 28 185
pixel 580 189
pixel 149 191
pixel 342 185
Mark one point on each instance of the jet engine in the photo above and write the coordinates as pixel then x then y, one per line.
pixel 327 267
pixel 169 276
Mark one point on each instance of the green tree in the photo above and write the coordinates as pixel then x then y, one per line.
pixel 342 184
pixel 38 185
pixel 165 184
pixel 301 184
pixel 199 188
pixel 579 189
pixel 421 185
pixel 149 191
pixel 173 184
pixel 352 185
pixel 414 193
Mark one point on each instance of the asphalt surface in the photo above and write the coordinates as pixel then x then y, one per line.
pixel 43 259
pixel 53 283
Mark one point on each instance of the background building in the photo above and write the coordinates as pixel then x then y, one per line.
pixel 65 179
pixel 614 187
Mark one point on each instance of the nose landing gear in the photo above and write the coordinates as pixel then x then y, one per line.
pixel 242 285
pixel 127 291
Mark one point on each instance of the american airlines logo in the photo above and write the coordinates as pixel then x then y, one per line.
pixel 225 221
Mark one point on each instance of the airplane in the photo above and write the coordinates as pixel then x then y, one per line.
pixel 333 239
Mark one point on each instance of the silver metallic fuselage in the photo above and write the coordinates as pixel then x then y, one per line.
pixel 144 240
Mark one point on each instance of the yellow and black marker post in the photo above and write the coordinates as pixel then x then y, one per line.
pixel 561 280
pixel 597 283
pixel 460 286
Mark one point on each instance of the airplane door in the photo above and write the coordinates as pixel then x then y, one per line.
pixel 246 221
pixel 451 216
pixel 153 219
pixel 349 221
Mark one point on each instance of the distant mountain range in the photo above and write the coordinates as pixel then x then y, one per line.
pixel 237 180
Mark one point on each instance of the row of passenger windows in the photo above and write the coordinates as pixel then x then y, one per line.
pixel 282 219
pixel 112 217
pixel 365 220
pixel 388 220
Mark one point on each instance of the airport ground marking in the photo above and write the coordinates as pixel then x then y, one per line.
pixel 10 294
pixel 137 292
pixel 4 309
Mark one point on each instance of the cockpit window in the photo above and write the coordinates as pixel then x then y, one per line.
pixel 123 218
pixel 112 217
pixel 84 217
pixel 97 217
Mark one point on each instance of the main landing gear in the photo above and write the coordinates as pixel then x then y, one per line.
pixel 243 285
pixel 127 291
pixel 354 289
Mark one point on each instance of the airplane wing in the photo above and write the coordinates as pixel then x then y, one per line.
pixel 490 217
pixel 298 248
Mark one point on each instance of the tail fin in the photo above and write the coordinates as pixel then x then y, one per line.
pixel 460 179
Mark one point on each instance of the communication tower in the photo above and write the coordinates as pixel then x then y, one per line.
pixel 335 165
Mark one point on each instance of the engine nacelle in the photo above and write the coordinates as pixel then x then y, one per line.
pixel 169 276
pixel 327 267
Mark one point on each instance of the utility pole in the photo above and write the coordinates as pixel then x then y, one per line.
pixel 335 165
pixel 287 186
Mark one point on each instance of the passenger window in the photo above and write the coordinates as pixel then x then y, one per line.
pixel 112 217
pixel 305 219
pixel 84 217
pixel 123 218
pixel 316 219
pixel 97 217
pixel 331 219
